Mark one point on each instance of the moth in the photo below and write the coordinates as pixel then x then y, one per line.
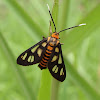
pixel 47 53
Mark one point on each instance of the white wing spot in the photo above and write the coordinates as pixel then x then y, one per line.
pixel 60 60
pixel 34 49
pixel 44 44
pixel 29 59
pixel 61 72
pixel 39 52
pixel 54 58
pixel 23 57
pixel 56 49
pixel 32 58
pixel 55 69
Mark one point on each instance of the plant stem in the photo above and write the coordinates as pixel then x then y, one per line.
pixel 55 83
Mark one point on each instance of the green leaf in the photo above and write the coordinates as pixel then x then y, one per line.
pixel 77 35
pixel 86 87
pixel 18 73
pixel 63 16
pixel 27 21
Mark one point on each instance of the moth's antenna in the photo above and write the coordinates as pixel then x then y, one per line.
pixel 73 27
pixel 51 17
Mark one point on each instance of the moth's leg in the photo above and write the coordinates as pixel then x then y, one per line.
pixel 50 28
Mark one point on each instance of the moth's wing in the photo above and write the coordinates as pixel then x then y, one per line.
pixel 33 55
pixel 56 64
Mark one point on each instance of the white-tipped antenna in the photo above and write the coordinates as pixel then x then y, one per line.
pixel 82 24
pixel 51 17
pixel 73 27
pixel 48 7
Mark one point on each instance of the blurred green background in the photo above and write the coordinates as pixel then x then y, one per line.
pixel 23 23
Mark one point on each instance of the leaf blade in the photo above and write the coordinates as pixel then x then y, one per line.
pixel 74 38
pixel 17 70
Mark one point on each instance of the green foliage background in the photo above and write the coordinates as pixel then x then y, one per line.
pixel 23 23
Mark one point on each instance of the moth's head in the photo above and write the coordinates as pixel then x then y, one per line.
pixel 55 35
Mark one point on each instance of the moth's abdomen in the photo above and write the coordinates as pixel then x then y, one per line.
pixel 46 57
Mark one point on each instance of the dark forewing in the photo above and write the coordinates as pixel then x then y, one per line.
pixel 33 55
pixel 56 64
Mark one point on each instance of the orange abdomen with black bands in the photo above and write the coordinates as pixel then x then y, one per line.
pixel 46 56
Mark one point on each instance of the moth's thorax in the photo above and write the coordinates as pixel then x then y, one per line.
pixel 53 41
